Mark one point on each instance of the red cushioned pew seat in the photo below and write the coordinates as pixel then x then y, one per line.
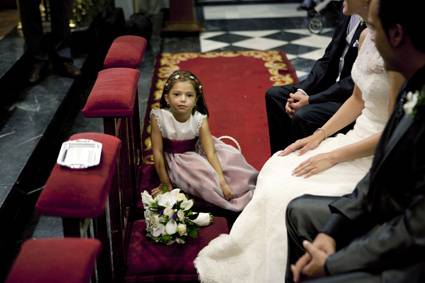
pixel 81 193
pixel 126 51
pixel 113 94
pixel 151 262
pixel 55 260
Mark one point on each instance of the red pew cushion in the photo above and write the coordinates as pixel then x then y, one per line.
pixel 151 262
pixel 62 260
pixel 113 94
pixel 126 51
pixel 81 193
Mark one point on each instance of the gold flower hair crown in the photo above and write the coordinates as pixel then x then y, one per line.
pixel 183 76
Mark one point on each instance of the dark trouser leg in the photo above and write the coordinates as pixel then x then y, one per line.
pixel 61 34
pixel 279 122
pixel 355 277
pixel 414 273
pixel 312 116
pixel 305 216
pixel 32 28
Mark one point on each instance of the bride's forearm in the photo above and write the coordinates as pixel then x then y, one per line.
pixel 356 150
pixel 346 114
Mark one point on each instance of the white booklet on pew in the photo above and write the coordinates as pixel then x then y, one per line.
pixel 80 154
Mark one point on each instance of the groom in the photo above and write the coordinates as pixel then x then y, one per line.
pixel 377 233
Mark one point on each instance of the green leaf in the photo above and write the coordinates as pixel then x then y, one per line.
pixel 192 232
pixel 164 188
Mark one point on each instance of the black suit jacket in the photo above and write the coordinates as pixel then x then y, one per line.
pixel 321 84
pixel 387 209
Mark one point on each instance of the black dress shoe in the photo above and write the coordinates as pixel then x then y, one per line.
pixel 67 69
pixel 38 72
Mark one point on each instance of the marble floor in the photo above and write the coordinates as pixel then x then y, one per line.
pixel 263 27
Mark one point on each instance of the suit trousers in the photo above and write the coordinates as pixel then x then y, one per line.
pixel 284 130
pixel 305 216
pixel 60 12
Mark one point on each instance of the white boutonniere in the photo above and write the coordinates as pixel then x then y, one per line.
pixel 411 100
pixel 414 101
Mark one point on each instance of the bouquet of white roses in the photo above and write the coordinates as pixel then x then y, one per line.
pixel 169 217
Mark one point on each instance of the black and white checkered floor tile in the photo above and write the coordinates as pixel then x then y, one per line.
pixel 275 27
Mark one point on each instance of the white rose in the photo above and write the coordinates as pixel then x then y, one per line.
pixel 187 204
pixel 166 199
pixel 171 227
pixel 181 229
pixel 158 230
pixel 203 219
pixel 147 214
pixel 168 211
pixel 181 197
pixel 152 220
pixel 161 219
pixel 180 215
pixel 412 99
pixel 146 199
pixel 180 241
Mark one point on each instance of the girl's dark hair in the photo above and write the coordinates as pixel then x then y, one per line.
pixel 407 13
pixel 185 76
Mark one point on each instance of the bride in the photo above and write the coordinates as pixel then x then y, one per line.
pixel 256 248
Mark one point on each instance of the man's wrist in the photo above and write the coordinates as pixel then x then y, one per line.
pixel 302 91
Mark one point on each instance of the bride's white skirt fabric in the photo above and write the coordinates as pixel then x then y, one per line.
pixel 256 248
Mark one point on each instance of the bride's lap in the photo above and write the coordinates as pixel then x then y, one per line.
pixel 276 174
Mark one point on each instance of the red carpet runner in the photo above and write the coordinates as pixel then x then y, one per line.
pixel 235 84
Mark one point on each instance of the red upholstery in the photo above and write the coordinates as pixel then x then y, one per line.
pixel 113 94
pixel 151 262
pixel 62 260
pixel 126 51
pixel 81 193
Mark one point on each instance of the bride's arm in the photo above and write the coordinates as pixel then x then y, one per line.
pixel 353 151
pixel 345 115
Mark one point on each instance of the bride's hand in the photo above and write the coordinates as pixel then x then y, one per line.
pixel 315 164
pixel 304 145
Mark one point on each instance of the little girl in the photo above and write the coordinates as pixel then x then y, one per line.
pixel 188 156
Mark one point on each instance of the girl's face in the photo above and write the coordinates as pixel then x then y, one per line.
pixel 358 7
pixel 181 98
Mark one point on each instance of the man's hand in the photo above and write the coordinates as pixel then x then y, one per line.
pixel 316 266
pixel 299 266
pixel 288 109
pixel 312 263
pixel 297 100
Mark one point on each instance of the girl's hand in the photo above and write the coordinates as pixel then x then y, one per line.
pixel 304 145
pixel 160 189
pixel 315 164
pixel 227 191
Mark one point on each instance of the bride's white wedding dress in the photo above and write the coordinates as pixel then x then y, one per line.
pixel 256 248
